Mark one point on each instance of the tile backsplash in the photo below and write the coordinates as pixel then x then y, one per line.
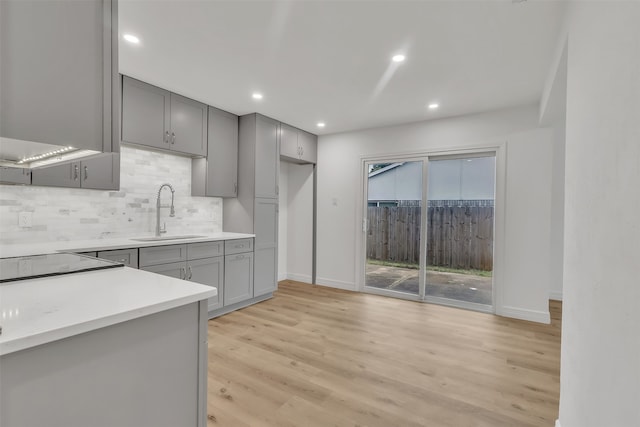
pixel 76 214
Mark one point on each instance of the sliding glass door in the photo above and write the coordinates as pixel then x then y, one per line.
pixel 394 227
pixel 460 210
pixel 428 228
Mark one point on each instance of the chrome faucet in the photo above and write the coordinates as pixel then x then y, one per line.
pixel 172 212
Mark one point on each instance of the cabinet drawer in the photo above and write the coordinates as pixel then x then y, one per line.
pixel 205 250
pixel 91 254
pixel 128 257
pixel 162 254
pixel 238 246
pixel 176 270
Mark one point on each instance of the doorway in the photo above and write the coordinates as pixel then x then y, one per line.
pixel 429 228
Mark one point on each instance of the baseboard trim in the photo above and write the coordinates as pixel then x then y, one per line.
pixel 282 276
pixel 558 423
pixel 556 296
pixel 323 281
pixel 299 277
pixel 228 309
pixel 524 314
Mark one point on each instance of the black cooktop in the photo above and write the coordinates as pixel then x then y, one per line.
pixel 31 267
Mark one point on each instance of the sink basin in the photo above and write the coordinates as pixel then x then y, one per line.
pixel 155 239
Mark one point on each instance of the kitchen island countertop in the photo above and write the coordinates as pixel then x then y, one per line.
pixel 39 311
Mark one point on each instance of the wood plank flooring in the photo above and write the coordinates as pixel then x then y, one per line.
pixel 316 356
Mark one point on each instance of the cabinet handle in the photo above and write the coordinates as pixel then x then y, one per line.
pixel 124 261
pixel 75 172
pixel 240 257
pixel 190 273
pixel 235 188
pixel 166 137
pixel 277 189
pixel 86 172
pixel 183 274
pixel 173 137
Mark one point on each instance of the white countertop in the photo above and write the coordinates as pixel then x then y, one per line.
pixel 38 311
pixel 106 244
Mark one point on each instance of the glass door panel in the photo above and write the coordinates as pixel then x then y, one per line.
pixel 393 227
pixel 460 211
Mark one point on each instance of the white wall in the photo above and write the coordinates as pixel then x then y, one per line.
pixel 557 212
pixel 68 214
pixel 300 223
pixel 339 186
pixel 283 227
pixel 295 234
pixel 600 363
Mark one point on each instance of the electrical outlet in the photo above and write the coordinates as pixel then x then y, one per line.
pixel 25 219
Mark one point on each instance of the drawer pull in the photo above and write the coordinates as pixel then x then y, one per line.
pixel 240 257
pixel 124 261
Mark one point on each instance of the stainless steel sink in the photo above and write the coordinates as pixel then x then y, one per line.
pixel 155 239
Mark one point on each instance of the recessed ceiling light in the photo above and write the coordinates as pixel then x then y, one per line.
pixel 131 38
pixel 398 58
pixel 433 105
pixel 257 95
pixel 321 124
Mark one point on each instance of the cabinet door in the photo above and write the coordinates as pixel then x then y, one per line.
pixel 210 272
pixel 10 175
pixel 176 270
pixel 238 278
pixel 308 144
pixel 266 271
pixel 267 159
pixel 188 126
pixel 266 246
pixel 56 70
pixel 59 175
pixel 222 163
pixel 289 141
pixel 101 172
pixel 145 114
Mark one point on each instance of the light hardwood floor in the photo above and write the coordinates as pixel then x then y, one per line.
pixel 316 356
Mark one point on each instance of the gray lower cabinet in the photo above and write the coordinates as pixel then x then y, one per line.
pixel 177 270
pixel 217 175
pixel 266 246
pixel 128 257
pixel 197 262
pixel 210 272
pixel 99 172
pixel 238 278
pixel 157 118
pixel 59 73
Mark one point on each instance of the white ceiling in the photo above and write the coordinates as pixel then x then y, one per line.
pixel 330 60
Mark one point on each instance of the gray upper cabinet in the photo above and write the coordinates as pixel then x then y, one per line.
pixel 9 175
pixel 267 158
pixel 58 73
pixel 157 118
pixel 145 114
pixel 308 145
pixel 99 172
pixel 217 175
pixel 296 145
pixel 188 125
pixel 288 141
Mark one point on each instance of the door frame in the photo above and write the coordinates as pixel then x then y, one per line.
pixel 499 148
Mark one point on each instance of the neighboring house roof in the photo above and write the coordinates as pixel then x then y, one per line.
pixel 385 169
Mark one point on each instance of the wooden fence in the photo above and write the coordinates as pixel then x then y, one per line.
pixel 457 236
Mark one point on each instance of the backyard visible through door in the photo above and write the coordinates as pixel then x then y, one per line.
pixel 457 226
